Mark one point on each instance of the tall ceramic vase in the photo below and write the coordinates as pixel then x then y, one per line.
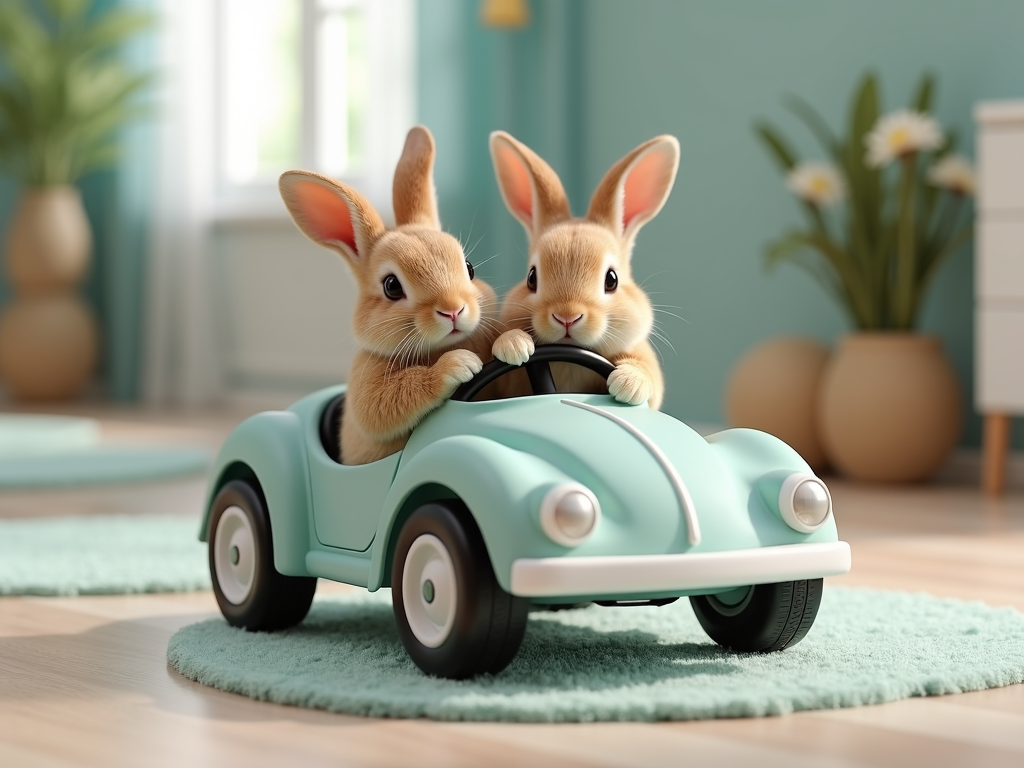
pixel 889 409
pixel 48 335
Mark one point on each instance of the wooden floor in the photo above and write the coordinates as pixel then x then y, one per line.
pixel 84 681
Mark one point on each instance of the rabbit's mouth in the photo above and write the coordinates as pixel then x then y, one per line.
pixel 449 338
pixel 565 322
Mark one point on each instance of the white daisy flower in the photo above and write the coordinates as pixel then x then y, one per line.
pixel 954 173
pixel 901 133
pixel 816 183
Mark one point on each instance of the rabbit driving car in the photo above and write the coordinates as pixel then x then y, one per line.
pixel 579 287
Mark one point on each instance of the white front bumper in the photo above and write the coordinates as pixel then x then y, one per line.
pixel 639 574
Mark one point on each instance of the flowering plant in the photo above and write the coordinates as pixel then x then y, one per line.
pixel 905 192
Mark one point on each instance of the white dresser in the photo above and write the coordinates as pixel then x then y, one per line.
pixel 999 279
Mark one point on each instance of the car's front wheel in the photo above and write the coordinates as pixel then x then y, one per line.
pixel 454 618
pixel 249 590
pixel 761 618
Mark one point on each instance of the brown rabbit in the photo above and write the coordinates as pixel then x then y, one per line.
pixel 421 319
pixel 579 288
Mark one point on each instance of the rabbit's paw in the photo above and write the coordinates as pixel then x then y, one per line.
pixel 513 347
pixel 457 366
pixel 629 384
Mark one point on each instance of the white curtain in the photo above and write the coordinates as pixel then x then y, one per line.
pixel 181 363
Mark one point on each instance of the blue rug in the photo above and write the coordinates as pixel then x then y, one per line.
pixel 594 664
pixel 102 555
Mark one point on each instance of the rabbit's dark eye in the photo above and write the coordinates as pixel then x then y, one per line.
pixel 472 272
pixel 611 281
pixel 531 279
pixel 393 288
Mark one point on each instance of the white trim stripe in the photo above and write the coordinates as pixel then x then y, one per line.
pixel 682 493
pixel 608 576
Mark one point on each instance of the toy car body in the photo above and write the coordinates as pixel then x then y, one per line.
pixel 493 505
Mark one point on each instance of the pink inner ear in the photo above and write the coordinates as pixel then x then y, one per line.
pixel 324 213
pixel 516 180
pixel 644 188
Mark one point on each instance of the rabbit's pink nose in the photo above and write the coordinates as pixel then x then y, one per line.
pixel 567 321
pixel 453 316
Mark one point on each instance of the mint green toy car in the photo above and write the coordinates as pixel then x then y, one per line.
pixel 495 505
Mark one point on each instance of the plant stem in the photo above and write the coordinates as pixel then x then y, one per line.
pixel 856 299
pixel 906 250
pixel 953 244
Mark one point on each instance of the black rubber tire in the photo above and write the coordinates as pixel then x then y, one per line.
pixel 772 617
pixel 275 601
pixel 489 622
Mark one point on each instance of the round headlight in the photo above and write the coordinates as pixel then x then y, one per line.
pixel 569 514
pixel 804 502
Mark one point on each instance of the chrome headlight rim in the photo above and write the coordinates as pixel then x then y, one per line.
pixel 549 508
pixel 787 505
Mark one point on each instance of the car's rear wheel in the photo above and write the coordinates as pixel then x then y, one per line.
pixel 761 618
pixel 454 618
pixel 249 590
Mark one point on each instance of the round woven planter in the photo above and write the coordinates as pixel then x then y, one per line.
pixel 48 346
pixel 889 408
pixel 49 240
pixel 774 388
pixel 48 336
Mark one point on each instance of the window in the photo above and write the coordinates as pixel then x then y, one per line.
pixel 326 85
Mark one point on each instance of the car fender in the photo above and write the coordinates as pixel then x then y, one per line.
pixel 752 450
pixel 501 486
pixel 761 461
pixel 271 447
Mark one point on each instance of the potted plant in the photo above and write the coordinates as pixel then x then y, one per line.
pixel 62 99
pixel 882 216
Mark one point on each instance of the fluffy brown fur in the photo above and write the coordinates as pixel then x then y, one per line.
pixel 573 261
pixel 417 349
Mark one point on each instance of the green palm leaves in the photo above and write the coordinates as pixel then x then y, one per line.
pixel 65 93
pixel 878 257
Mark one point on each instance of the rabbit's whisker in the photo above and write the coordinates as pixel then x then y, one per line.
pixel 393 363
pixel 489 258
pixel 472 248
pixel 672 314
pixel 661 337
pixel 652 276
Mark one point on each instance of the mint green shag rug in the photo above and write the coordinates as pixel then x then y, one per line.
pixel 101 555
pixel 40 451
pixel 99 465
pixel 595 664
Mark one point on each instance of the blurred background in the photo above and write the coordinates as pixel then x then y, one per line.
pixel 204 292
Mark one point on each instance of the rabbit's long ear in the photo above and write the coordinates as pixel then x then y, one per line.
pixel 331 214
pixel 532 191
pixel 412 191
pixel 636 187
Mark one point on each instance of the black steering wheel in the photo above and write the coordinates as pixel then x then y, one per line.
pixel 537 369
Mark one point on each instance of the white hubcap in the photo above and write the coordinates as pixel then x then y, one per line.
pixel 429 590
pixel 234 555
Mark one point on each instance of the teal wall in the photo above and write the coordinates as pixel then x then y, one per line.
pixel 472 81
pixel 588 81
